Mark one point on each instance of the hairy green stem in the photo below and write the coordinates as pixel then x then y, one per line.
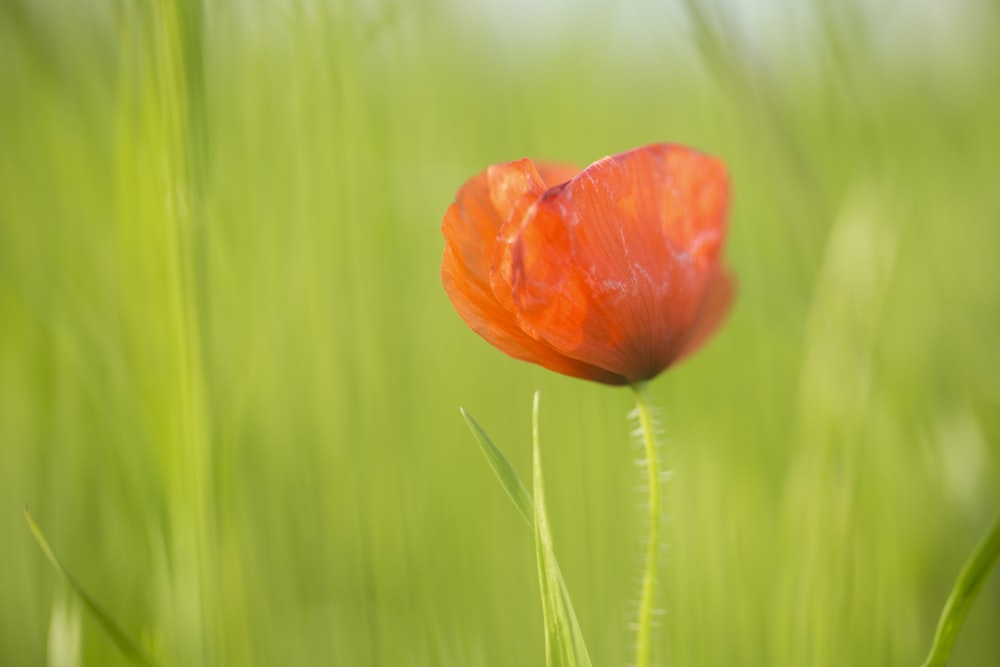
pixel 967 586
pixel 647 595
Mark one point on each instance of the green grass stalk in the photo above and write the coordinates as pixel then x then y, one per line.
pixel 647 596
pixel 967 587
pixel 128 646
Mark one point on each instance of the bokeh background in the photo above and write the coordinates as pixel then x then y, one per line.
pixel 230 380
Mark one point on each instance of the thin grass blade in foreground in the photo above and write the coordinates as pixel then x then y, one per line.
pixel 502 468
pixel 129 648
pixel 550 576
pixel 967 587
pixel 563 641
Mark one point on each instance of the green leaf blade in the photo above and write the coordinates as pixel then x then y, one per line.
pixel 128 647
pixel 559 646
pixel 504 471
pixel 564 642
pixel 963 594
pixel 563 639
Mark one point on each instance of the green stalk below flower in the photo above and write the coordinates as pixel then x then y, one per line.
pixel 647 595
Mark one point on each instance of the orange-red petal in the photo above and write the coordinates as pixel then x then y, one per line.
pixel 470 228
pixel 612 267
pixel 715 304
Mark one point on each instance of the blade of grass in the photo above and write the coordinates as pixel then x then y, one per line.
pixel 509 480
pixel 559 647
pixel 129 648
pixel 550 576
pixel 964 593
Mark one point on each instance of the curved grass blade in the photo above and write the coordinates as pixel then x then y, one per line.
pixel 964 593
pixel 129 648
pixel 550 576
pixel 564 645
pixel 511 483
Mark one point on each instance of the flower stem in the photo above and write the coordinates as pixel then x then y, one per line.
pixel 648 593
pixel 970 580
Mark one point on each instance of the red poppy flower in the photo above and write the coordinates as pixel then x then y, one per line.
pixel 612 274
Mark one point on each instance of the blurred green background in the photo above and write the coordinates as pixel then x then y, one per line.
pixel 230 379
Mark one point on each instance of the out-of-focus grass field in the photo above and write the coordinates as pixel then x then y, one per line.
pixel 230 380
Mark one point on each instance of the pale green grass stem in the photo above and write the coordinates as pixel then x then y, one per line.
pixel 967 587
pixel 647 595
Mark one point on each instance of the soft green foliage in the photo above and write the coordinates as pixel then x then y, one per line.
pixel 564 643
pixel 982 562
pixel 511 482
pixel 229 375
pixel 563 637
pixel 128 647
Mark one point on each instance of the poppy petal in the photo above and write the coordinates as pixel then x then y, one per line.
pixel 470 228
pixel 715 304
pixel 556 173
pixel 611 267
pixel 515 187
